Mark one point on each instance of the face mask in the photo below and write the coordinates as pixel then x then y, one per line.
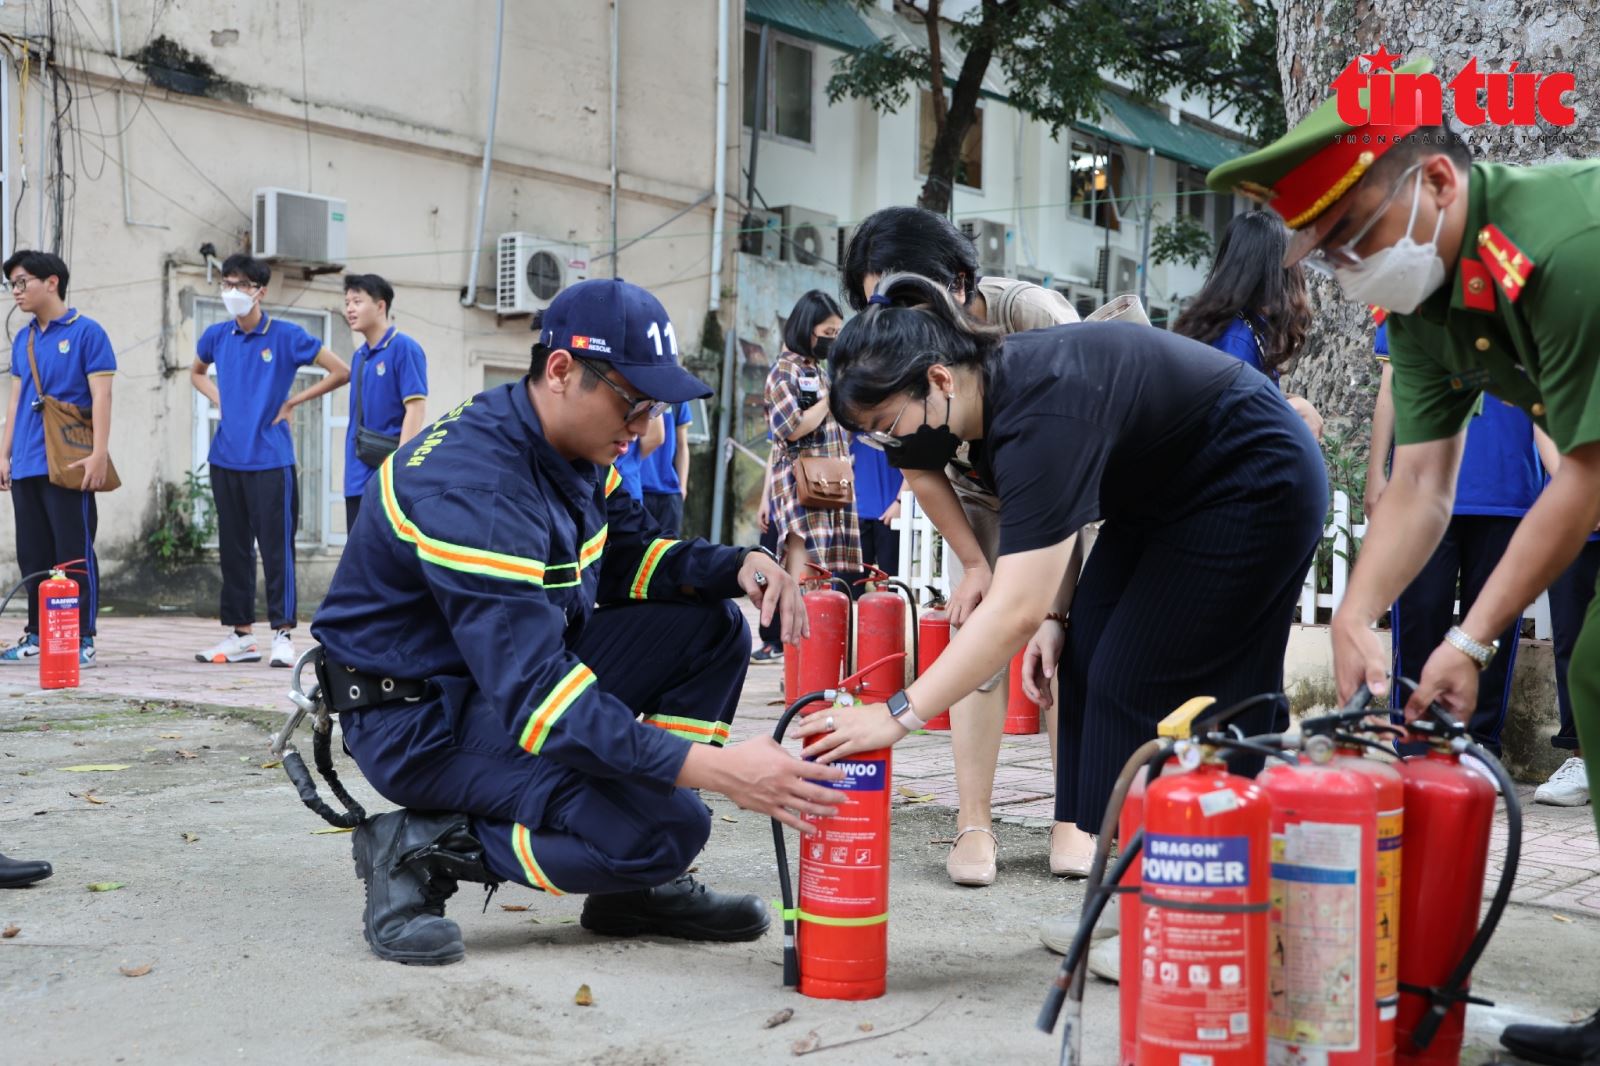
pixel 929 448
pixel 237 303
pixel 1399 277
pixel 821 347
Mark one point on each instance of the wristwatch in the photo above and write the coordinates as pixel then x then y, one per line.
pixel 1480 653
pixel 901 711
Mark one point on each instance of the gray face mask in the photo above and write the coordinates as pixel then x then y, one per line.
pixel 1400 277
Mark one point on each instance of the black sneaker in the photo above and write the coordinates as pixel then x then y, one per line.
pixel 767 653
pixel 684 908
pixel 1556 1045
pixel 20 873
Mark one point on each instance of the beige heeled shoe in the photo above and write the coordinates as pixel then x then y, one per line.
pixel 972 874
pixel 1071 850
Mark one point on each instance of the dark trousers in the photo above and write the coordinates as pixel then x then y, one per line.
pixel 256 508
pixel 1471 549
pixel 57 525
pixel 1569 601
pixel 667 509
pixel 679 665
pixel 1195 603
pixel 880 545
pixel 772 632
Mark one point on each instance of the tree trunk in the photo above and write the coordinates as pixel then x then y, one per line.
pixel 1316 38
pixel 963 111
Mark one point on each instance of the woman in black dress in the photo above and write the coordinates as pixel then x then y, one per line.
pixel 1211 489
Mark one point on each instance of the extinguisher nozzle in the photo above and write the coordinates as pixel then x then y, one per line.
pixel 791 967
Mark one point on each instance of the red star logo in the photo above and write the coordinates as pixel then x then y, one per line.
pixel 1382 59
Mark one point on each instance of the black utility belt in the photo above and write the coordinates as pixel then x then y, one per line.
pixel 346 688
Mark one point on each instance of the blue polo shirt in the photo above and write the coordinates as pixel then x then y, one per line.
pixel 1500 470
pixel 1238 341
pixel 657 471
pixel 69 351
pixel 877 483
pixel 392 372
pixel 255 372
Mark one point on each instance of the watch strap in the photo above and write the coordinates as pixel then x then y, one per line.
pixel 1480 653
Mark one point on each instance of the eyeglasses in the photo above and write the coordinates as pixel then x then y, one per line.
pixel 885 438
pixel 637 405
pixel 1345 257
pixel 239 286
pixel 20 283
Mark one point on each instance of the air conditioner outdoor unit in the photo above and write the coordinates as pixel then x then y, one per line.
pixel 297 227
pixel 1084 298
pixel 809 237
pixel 530 270
pixel 996 250
pixel 1037 278
pixel 760 234
pixel 1115 272
pixel 845 233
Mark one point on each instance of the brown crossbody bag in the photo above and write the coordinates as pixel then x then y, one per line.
pixel 68 434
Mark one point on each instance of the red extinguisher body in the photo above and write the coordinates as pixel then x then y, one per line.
pixel 1449 812
pixel 880 634
pixel 1022 714
pixel 1320 964
pixel 817 662
pixel 1390 791
pixel 1203 926
pixel 843 928
pixel 933 637
pixel 58 632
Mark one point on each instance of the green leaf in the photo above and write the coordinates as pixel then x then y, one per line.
pixel 95 768
pixel 105 886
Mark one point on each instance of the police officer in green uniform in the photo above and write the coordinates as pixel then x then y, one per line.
pixel 1491 277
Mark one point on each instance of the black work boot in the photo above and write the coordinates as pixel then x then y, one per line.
pixel 17 873
pixel 683 908
pixel 411 861
pixel 1556 1045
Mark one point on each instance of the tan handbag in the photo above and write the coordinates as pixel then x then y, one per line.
pixel 823 483
pixel 68 435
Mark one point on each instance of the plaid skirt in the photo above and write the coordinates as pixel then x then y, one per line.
pixel 833 539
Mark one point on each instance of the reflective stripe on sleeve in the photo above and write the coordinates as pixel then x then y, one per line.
pixel 544 717
pixel 647 567
pixel 453 556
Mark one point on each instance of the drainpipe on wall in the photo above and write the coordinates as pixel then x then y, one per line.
pixel 724 443
pixel 615 38
pixel 720 183
pixel 1144 230
pixel 469 297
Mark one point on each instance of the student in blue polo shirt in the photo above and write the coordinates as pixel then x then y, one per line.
pixel 253 480
pixel 1500 478
pixel 664 473
pixel 878 488
pixel 75 364
pixel 389 391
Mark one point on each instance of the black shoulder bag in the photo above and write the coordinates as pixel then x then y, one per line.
pixel 372 447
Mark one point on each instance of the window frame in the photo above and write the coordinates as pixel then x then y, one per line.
pixel 978 124
pixel 1211 202
pixel 1112 155
pixel 774 37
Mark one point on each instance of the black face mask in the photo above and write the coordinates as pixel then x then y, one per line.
pixel 929 448
pixel 820 348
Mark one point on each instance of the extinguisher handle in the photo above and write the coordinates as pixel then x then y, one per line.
pixel 1212 722
pixel 1437 721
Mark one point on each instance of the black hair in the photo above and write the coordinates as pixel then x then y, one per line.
pixel 540 356
pixel 812 309
pixel 40 265
pixel 254 271
pixel 374 286
pixel 889 348
pixel 913 240
pixel 1418 145
pixel 1246 277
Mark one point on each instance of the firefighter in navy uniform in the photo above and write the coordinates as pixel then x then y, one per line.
pixel 531 673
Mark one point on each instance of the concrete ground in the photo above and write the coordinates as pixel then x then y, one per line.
pixel 248 919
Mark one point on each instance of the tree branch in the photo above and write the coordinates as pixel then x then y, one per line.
pixel 936 60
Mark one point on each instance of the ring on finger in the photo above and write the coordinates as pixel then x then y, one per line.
pixel 829 723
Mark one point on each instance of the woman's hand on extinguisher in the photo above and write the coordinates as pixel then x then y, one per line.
pixel 760 776
pixel 863 727
pixel 771 589
pixel 969 593
pixel 1040 659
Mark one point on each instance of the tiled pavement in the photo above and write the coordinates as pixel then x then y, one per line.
pixel 153 658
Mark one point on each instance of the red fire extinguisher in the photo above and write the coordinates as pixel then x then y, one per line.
pixel 1449 814
pixel 1022 714
pixel 1322 924
pixel 820 660
pixel 933 637
pixel 58 631
pixel 836 942
pixel 1203 925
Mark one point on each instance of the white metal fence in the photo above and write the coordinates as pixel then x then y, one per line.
pixel 926 562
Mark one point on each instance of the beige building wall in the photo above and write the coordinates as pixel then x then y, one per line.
pixel 382 103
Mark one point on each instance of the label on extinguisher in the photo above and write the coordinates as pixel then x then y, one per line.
pixel 845 867
pixel 1387 960
pixel 1314 961
pixel 61 603
pixel 1194 955
pixel 58 629
pixel 860 775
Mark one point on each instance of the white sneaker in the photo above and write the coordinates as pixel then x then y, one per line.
pixel 1105 958
pixel 1567 787
pixel 1477 766
pixel 1057 933
pixel 233 648
pixel 282 648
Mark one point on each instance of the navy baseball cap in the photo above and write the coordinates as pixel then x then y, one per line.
pixel 611 321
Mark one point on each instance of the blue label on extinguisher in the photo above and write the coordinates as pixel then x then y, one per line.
pixel 861 775
pixel 61 603
pixel 1200 862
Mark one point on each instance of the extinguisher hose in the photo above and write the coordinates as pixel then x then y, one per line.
pixel 1094 904
pixel 1442 999
pixel 791 958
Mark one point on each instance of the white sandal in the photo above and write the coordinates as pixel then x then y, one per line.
pixel 972 874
